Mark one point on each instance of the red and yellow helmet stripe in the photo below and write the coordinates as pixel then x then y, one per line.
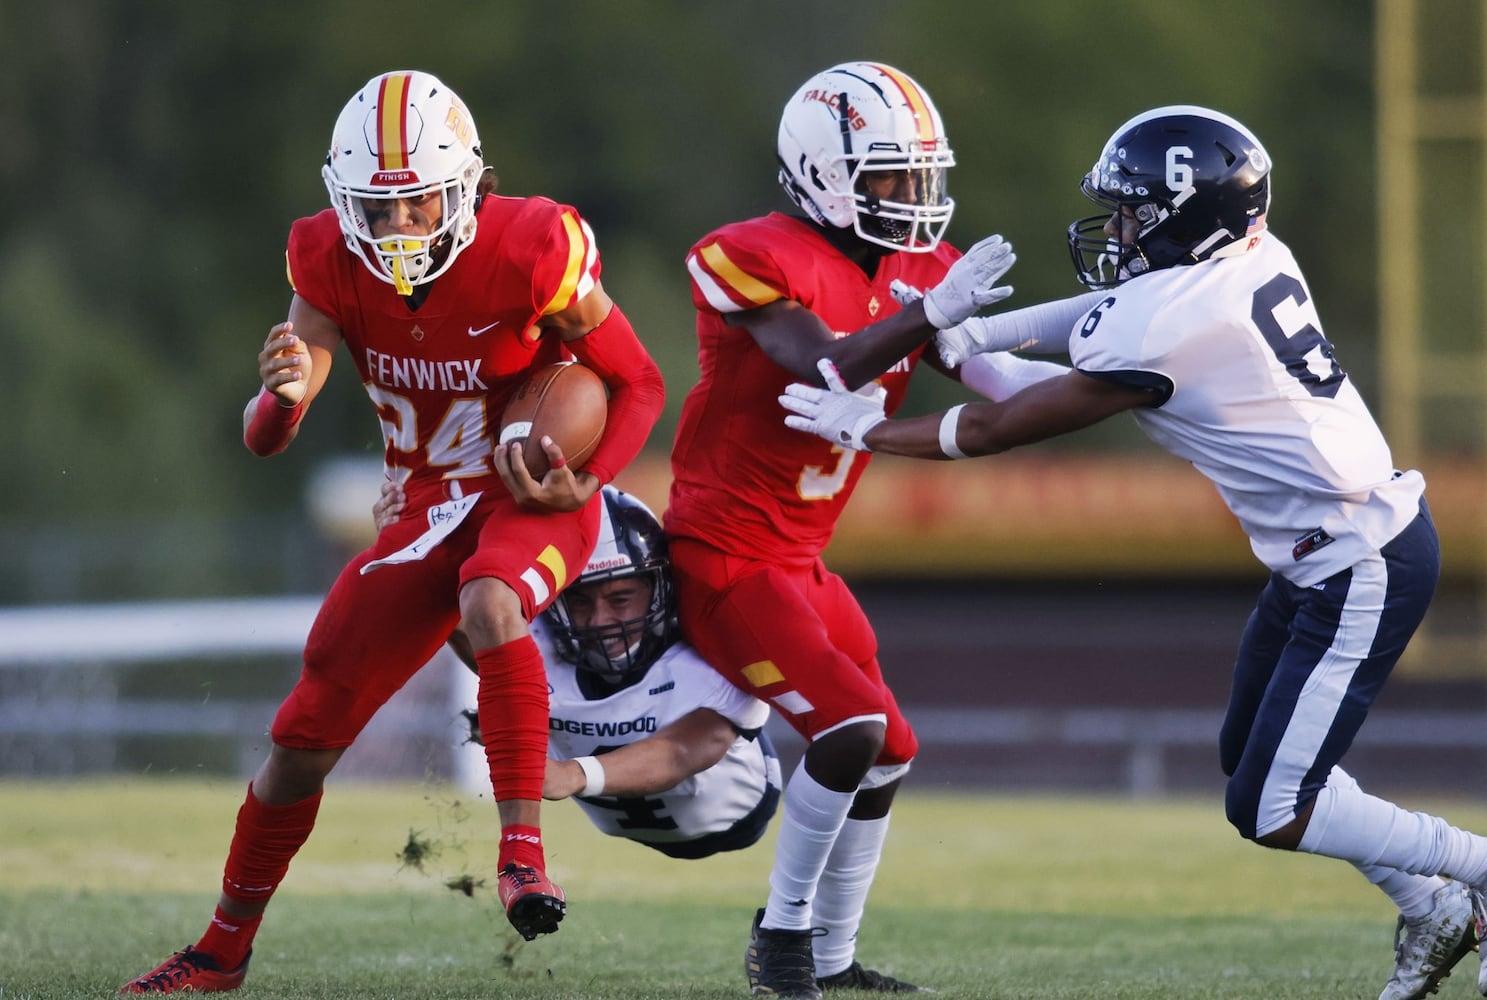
pixel 392 121
pixel 924 113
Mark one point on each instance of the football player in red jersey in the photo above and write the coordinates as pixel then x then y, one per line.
pixel 863 154
pixel 446 296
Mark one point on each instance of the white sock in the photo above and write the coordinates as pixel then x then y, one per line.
pixel 1350 824
pixel 1413 894
pixel 842 892
pixel 809 824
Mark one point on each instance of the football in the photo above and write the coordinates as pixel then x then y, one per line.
pixel 563 401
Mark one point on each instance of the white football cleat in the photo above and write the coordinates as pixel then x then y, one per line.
pixel 1427 948
pixel 1479 929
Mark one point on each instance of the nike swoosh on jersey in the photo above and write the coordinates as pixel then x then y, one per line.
pixel 475 333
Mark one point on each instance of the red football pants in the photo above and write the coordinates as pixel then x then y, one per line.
pixel 793 636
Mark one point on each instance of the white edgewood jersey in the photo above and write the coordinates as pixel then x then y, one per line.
pixel 740 790
pixel 1253 396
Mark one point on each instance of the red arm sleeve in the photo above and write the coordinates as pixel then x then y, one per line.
pixel 636 391
pixel 272 426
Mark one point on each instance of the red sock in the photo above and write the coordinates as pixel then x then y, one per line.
pixel 228 939
pixel 265 841
pixel 521 845
pixel 513 718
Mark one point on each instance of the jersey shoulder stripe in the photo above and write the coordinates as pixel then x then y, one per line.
pixel 580 269
pixel 742 289
pixel 738 267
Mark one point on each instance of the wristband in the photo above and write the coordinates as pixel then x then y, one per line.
pixel 593 773
pixel 948 425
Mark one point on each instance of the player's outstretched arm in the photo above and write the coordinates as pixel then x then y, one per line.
pixel 1040 329
pixel 796 339
pixel 691 744
pixel 1045 409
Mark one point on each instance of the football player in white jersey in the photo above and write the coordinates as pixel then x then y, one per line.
pixel 653 744
pixel 1202 326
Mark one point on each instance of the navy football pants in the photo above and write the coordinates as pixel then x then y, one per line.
pixel 1311 662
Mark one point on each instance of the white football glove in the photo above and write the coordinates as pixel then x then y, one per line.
pixel 960 342
pixel 971 284
pixel 833 413
pixel 903 293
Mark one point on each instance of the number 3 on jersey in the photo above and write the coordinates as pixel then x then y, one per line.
pixel 815 483
pixel 461 444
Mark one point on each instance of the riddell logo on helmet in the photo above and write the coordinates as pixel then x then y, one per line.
pixel 394 178
pixel 613 562
pixel 833 101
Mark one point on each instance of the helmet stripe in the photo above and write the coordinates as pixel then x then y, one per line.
pixel 919 104
pixel 392 122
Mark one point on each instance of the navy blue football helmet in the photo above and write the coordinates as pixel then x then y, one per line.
pixel 1196 181
pixel 630 545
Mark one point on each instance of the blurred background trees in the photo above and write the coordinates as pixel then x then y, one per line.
pixel 156 153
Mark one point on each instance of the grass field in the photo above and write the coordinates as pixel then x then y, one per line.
pixel 979 896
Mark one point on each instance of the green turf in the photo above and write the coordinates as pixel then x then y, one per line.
pixel 979 896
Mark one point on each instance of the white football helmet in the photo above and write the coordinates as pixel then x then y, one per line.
pixel 859 118
pixel 405 135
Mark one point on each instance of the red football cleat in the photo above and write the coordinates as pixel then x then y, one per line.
pixel 188 971
pixel 534 903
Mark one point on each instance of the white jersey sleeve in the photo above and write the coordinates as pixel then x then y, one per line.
pixel 1250 391
pixel 722 807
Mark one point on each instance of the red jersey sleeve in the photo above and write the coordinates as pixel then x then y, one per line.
pixel 312 261
pixel 567 264
pixel 730 274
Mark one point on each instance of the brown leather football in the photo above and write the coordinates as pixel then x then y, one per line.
pixel 566 402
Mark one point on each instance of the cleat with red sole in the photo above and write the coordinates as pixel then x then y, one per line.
pixel 188 971
pixel 534 903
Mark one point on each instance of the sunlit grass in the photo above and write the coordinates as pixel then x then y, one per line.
pixel 980 896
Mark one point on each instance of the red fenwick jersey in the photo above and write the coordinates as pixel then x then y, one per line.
pixel 743 482
pixel 440 374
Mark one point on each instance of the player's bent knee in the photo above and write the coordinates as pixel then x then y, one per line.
pixel 1287 838
pixel 1240 810
pixel 293 774
pixel 490 613
pixel 840 758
